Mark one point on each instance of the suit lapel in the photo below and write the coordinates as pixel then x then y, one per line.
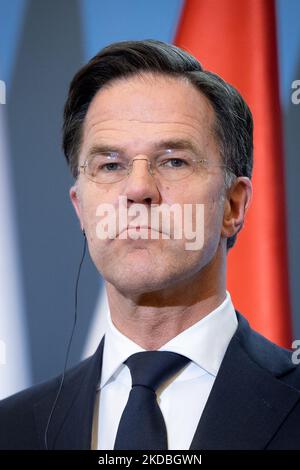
pixel 245 408
pixel 247 403
pixel 71 424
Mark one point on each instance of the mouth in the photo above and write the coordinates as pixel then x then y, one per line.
pixel 138 228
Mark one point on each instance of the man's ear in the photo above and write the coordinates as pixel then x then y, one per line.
pixel 237 202
pixel 74 196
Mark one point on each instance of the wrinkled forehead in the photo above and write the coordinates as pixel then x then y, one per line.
pixel 139 108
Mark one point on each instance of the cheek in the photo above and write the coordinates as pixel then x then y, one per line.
pixel 213 221
pixel 89 208
pixel 92 198
pixel 212 201
pixel 211 197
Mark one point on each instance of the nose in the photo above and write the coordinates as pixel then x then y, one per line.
pixel 140 186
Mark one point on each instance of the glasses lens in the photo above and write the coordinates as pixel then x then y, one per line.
pixel 106 168
pixel 175 165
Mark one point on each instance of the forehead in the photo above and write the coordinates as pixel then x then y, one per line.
pixel 143 109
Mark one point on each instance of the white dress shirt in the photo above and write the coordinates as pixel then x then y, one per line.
pixel 183 397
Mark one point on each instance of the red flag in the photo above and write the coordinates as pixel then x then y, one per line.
pixel 237 40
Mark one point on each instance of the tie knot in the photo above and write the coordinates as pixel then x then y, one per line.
pixel 152 368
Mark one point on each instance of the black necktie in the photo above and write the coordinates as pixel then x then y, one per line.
pixel 142 426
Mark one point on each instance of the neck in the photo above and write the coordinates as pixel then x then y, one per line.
pixel 151 319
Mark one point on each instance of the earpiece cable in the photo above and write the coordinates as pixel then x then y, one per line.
pixel 69 346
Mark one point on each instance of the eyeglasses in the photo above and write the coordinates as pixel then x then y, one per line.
pixel 170 165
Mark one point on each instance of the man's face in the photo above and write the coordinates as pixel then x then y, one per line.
pixel 135 115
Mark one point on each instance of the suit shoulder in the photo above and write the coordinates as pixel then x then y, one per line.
pixel 268 355
pixel 33 394
pixel 17 417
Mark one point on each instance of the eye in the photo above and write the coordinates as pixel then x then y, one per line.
pixel 105 163
pixel 109 167
pixel 174 163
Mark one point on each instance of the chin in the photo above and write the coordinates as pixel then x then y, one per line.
pixel 138 280
pixel 135 286
pixel 141 270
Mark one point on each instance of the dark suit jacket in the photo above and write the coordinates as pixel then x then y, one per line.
pixel 254 403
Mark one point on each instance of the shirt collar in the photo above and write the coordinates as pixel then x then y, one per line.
pixel 204 343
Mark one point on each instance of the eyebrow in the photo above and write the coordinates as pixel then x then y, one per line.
pixel 178 144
